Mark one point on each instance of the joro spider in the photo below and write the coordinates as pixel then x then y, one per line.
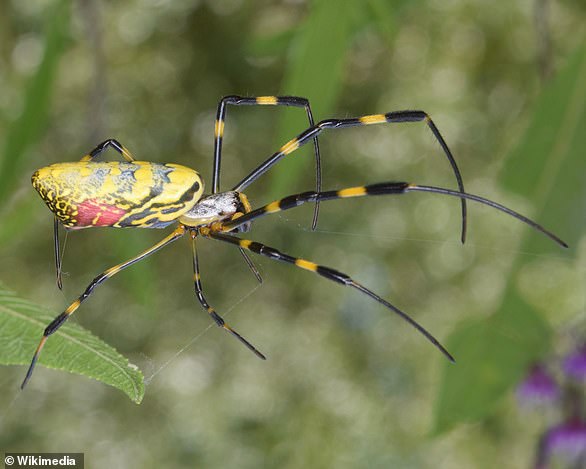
pixel 141 194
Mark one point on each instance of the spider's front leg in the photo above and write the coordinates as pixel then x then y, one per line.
pixel 388 118
pixel 288 101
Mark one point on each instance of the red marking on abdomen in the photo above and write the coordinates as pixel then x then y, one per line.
pixel 92 213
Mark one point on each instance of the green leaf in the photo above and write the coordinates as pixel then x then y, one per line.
pixel 28 127
pixel 491 356
pixel 71 348
pixel 548 167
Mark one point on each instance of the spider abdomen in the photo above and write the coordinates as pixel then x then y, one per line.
pixel 119 194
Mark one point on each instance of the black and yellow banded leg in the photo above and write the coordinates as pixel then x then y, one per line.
pixel 291 101
pixel 326 272
pixel 388 118
pixel 211 311
pixel 384 188
pixel 59 320
pixel 110 143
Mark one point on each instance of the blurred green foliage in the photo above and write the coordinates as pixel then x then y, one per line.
pixel 346 384
pixel 25 130
pixel 549 158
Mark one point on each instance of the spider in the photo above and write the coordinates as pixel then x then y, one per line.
pixel 143 194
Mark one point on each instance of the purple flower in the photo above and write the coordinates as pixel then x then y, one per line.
pixel 574 365
pixel 538 387
pixel 565 442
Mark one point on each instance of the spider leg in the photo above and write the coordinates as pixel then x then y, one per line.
pixel 388 118
pixel 384 188
pixel 115 144
pixel 211 311
pixel 325 272
pixel 59 320
pixel 294 101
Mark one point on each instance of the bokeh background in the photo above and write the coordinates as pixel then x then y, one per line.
pixel 347 384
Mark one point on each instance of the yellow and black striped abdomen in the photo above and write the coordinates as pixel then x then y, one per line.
pixel 120 194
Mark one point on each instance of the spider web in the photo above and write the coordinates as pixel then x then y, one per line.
pixel 196 338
